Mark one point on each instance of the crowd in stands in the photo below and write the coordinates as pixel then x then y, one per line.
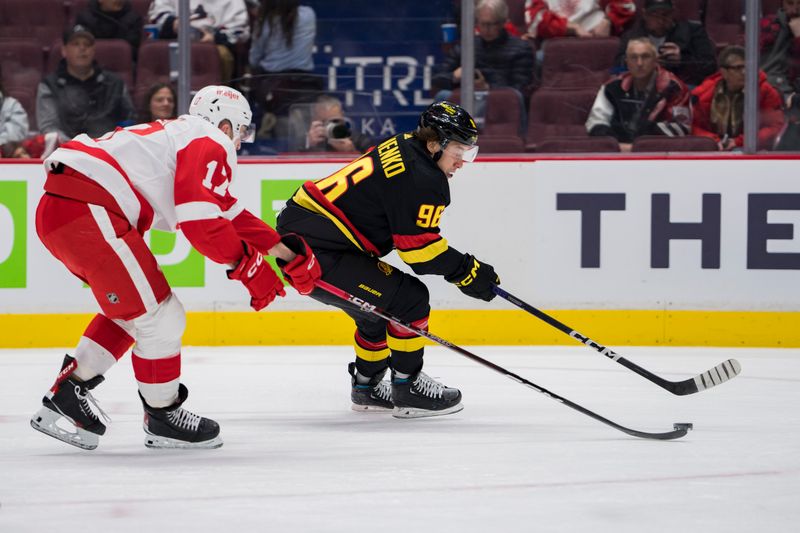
pixel 549 74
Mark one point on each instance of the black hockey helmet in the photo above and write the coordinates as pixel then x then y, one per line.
pixel 451 122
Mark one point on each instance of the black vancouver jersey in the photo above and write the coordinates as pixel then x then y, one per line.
pixel 392 197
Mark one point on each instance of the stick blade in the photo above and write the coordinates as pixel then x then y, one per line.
pixel 721 373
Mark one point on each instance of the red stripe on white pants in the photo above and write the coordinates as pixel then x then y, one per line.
pixel 154 371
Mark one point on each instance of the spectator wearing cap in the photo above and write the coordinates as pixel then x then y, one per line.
pixel 81 96
pixel 683 46
pixel 112 19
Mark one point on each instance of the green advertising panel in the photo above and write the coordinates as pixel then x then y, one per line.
pixel 13 232
pixel 274 194
pixel 183 267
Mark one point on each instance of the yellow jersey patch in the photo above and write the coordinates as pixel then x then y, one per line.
pixel 385 268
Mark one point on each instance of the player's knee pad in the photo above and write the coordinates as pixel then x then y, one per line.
pixel 159 332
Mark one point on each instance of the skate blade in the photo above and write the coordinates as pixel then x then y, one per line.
pixel 414 412
pixel 370 408
pixel 156 442
pixel 45 421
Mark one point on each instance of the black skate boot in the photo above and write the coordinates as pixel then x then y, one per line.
pixel 69 399
pixel 175 427
pixel 420 395
pixel 375 396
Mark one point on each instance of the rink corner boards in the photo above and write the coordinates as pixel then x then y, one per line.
pixel 467 327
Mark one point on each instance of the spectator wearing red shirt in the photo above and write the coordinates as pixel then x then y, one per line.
pixel 718 105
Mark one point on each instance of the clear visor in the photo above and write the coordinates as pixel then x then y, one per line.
pixel 247 134
pixel 462 152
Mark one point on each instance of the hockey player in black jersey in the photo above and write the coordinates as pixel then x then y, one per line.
pixel 393 197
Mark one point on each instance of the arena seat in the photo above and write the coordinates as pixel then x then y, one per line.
pixel 724 22
pixel 74 7
pixel 22 62
pixel 661 143
pixel 565 145
pixel 40 20
pixel 502 126
pixel 153 66
pixel 555 113
pixel 571 63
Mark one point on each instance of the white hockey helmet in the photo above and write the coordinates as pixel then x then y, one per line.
pixel 216 103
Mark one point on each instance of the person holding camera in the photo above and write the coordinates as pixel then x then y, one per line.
pixel 683 46
pixel 330 131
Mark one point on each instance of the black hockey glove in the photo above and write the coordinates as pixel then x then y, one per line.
pixel 475 279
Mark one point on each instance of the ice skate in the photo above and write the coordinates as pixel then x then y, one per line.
pixel 375 396
pixel 67 402
pixel 420 396
pixel 175 427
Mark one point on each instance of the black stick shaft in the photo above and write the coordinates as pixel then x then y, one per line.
pixel 719 374
pixel 679 431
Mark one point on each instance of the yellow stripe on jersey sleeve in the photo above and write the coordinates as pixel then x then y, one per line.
pixel 303 199
pixel 423 255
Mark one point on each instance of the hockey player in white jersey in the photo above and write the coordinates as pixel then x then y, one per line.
pixel 101 195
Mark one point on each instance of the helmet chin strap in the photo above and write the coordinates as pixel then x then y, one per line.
pixel 438 155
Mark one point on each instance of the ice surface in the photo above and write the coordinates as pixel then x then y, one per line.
pixel 296 458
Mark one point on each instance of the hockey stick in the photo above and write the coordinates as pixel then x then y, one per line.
pixel 719 374
pixel 680 429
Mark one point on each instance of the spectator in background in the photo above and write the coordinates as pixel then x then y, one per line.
pixel 283 37
pixel 646 100
pixel 331 131
pixel 13 125
pixel 15 140
pixel 113 19
pixel 81 96
pixel 160 103
pixel 501 60
pixel 223 22
pixel 684 47
pixel 577 18
pixel 281 60
pixel 718 105
pixel 780 47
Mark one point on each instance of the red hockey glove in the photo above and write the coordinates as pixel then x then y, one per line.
pixel 258 277
pixel 475 279
pixel 302 271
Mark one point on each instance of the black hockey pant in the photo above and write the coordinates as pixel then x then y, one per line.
pixel 399 294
